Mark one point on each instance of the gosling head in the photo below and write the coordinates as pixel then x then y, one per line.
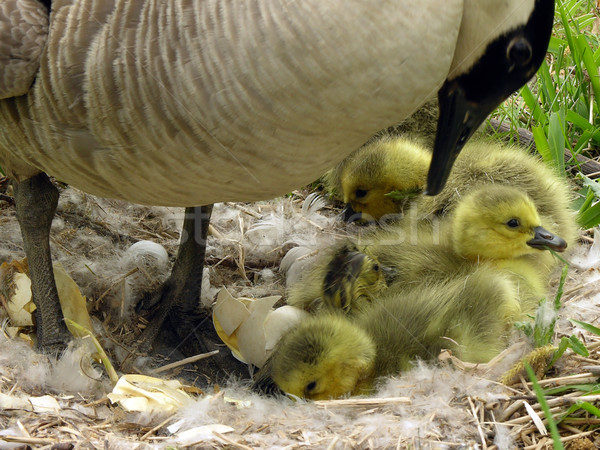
pixel 352 279
pixel 500 222
pixel 381 177
pixel 325 356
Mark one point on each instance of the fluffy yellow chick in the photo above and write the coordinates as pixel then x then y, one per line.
pixel 343 279
pixel 494 223
pixel 329 356
pixel 462 293
pixel 384 174
pixel 386 165
pixel 325 356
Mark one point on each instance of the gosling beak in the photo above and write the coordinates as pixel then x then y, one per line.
pixel 459 118
pixel 349 215
pixel 543 240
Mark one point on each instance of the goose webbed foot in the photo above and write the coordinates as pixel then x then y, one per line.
pixel 178 323
pixel 36 199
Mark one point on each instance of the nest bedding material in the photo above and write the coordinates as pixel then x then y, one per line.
pixel 433 406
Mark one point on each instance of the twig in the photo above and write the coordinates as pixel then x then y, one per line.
pixel 244 210
pixel 156 428
pixel 479 429
pixel 185 361
pixel 29 440
pixel 119 280
pixel 231 441
pixel 370 402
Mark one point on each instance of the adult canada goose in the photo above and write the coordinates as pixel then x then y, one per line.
pixel 188 103
pixel 463 293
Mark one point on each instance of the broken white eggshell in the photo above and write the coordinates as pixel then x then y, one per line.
pixel 19 305
pixel 149 394
pixel 250 327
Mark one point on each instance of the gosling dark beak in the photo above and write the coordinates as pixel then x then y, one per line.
pixel 543 240
pixel 459 118
pixel 349 215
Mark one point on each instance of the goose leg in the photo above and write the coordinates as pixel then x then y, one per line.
pixel 179 314
pixel 36 199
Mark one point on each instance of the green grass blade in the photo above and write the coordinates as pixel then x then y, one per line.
pixel 586 326
pixel 590 408
pixel 589 389
pixel 590 217
pixel 578 346
pixel 556 141
pixel 579 120
pixel 541 142
pixel 548 87
pixel 560 289
pixel 590 65
pixel 531 101
pixel 592 184
pixel 558 445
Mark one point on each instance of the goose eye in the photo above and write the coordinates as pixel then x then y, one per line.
pixel 519 51
pixel 360 193
pixel 513 223
pixel 311 386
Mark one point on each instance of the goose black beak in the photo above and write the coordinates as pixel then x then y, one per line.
pixel 543 239
pixel 459 118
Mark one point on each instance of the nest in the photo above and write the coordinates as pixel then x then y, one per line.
pixel 449 404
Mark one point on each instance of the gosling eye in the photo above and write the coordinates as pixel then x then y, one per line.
pixel 519 51
pixel 513 223
pixel 310 387
pixel 376 267
pixel 360 193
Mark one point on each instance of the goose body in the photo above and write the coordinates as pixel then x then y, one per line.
pixel 188 103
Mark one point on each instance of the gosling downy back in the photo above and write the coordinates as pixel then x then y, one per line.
pixel 331 355
pixel 483 162
pixel 470 315
pixel 343 279
pixel 213 101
